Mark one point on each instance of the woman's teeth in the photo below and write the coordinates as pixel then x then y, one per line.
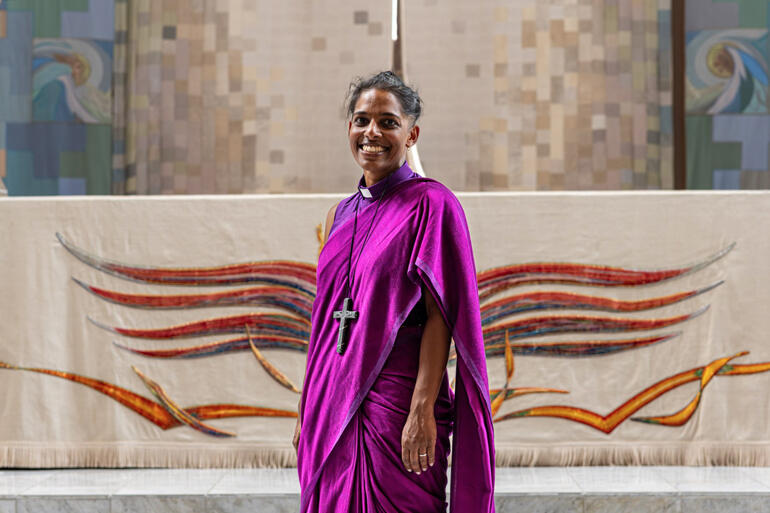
pixel 372 149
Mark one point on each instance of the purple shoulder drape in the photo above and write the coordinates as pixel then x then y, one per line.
pixel 419 237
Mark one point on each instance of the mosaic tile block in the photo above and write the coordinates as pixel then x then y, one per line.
pixel 727 179
pixel 15 68
pixel 711 14
pixel 46 141
pixel 375 29
pixel 752 13
pixel 755 179
pixel 97 21
pixel 753 132
pixel 360 17
pixel 20 179
pixel 39 154
pixel 47 13
pixel 704 155
pixel 72 186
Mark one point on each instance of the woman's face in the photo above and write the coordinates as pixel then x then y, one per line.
pixel 380 133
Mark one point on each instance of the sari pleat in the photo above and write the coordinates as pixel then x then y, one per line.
pixel 364 472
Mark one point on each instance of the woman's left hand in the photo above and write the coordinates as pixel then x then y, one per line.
pixel 418 440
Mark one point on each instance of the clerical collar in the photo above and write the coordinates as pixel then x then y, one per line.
pixel 376 190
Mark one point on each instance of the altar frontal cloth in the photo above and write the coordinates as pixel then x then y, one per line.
pixel 620 328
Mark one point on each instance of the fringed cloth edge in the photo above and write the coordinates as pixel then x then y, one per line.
pixel 139 455
pixel 743 454
pixel 124 455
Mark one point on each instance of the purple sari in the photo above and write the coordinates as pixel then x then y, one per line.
pixel 354 405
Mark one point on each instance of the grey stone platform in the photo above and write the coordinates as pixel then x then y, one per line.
pixel 519 490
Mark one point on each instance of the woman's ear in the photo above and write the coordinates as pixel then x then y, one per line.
pixel 414 133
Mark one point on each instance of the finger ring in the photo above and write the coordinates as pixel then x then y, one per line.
pixel 423 454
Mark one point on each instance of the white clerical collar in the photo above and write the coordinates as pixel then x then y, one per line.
pixel 377 189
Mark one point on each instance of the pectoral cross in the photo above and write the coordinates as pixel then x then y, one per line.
pixel 344 315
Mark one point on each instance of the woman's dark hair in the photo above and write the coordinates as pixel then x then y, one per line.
pixel 410 101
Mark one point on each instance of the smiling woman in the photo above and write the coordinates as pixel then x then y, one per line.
pixel 396 280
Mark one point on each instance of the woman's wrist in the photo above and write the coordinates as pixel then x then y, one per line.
pixel 421 404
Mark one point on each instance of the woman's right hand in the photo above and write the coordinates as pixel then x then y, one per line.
pixel 295 441
pixel 297 426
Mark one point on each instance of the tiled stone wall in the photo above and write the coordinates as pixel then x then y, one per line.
pixel 544 95
pixel 241 96
pixel 233 96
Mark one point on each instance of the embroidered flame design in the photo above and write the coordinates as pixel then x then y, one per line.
pixel 288 288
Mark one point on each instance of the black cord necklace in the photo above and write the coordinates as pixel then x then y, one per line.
pixel 347 314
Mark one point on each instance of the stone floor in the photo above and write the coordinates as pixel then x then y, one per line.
pixel 520 490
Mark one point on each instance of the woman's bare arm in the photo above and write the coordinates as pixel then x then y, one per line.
pixel 330 220
pixel 419 434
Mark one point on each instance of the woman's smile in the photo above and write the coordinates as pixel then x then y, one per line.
pixel 372 149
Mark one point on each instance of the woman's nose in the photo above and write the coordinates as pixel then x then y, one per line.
pixel 372 130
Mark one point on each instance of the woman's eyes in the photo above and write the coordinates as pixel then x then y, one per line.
pixel 387 122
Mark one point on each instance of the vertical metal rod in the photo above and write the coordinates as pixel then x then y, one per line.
pixel 398 67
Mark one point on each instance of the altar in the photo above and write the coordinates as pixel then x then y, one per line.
pixel 171 331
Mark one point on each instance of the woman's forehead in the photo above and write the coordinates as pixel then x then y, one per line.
pixel 378 101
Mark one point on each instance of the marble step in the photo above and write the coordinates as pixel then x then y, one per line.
pixel 531 490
